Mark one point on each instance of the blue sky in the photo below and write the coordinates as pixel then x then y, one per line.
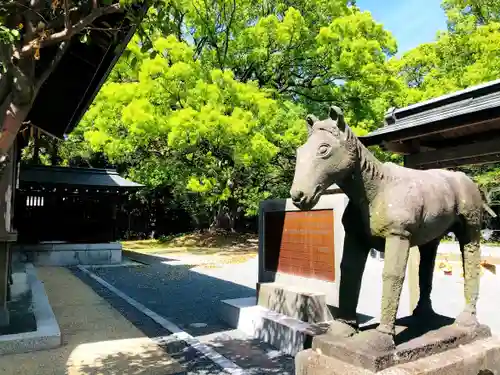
pixel 410 21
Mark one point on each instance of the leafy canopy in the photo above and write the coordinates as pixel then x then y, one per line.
pixel 198 130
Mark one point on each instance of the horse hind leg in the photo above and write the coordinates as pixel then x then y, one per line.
pixel 428 253
pixel 469 238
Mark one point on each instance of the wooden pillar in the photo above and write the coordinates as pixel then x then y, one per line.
pixel 7 186
pixel 114 209
pixel 4 283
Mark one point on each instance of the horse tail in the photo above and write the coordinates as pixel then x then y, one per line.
pixel 486 203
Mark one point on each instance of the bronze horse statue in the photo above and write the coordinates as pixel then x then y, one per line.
pixel 391 208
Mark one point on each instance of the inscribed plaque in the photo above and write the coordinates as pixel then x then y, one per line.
pixel 300 243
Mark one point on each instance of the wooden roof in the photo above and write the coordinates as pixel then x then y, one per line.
pixel 456 129
pixel 71 88
pixel 49 176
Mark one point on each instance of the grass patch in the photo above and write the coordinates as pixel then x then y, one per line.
pixel 199 243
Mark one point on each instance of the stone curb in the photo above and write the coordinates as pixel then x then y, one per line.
pixel 47 334
pixel 148 259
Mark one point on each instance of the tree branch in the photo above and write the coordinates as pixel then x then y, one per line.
pixel 67 33
pixel 228 32
pixel 67 21
pixel 319 100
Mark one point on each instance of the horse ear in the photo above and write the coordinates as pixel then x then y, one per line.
pixel 337 116
pixel 310 120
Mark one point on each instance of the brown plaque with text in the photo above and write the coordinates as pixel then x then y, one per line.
pixel 300 243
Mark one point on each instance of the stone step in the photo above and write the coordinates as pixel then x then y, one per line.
pixel 289 335
pixel 294 302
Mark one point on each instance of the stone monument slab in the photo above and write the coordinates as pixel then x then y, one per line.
pixel 303 248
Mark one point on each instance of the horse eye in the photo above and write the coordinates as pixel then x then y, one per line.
pixel 323 149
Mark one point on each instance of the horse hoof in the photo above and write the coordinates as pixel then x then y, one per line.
pixel 340 329
pixel 467 319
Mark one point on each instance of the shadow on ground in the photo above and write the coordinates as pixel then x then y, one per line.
pixel 191 301
pixel 248 354
pixel 409 328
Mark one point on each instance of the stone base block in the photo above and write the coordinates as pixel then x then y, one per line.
pixel 294 302
pixel 286 334
pixel 359 350
pixel 481 357
pixel 67 254
pixel 20 283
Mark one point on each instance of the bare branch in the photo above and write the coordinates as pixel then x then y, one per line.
pixel 66 34
pixel 228 32
pixel 27 8
pixel 67 20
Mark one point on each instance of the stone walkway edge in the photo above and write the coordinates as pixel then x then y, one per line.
pixel 47 334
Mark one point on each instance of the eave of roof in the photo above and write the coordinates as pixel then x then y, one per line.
pixel 80 74
pixel 476 103
pixel 74 177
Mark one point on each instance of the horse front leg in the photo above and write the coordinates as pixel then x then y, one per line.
pixel 381 339
pixel 397 250
pixel 352 266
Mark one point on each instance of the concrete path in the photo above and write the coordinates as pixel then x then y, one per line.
pixel 177 300
pixel 447 294
pixel 97 339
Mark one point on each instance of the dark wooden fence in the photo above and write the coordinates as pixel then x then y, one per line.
pixel 64 216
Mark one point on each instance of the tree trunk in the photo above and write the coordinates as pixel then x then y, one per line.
pixel 54 153
pixel 224 219
pixel 22 91
pixel 12 121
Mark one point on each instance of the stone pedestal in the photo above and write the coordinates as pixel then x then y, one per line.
pixel 69 254
pixel 481 357
pixel 449 349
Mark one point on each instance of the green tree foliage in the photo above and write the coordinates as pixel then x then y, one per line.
pixel 467 54
pixel 312 52
pixel 210 97
pixel 201 132
pixel 208 102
